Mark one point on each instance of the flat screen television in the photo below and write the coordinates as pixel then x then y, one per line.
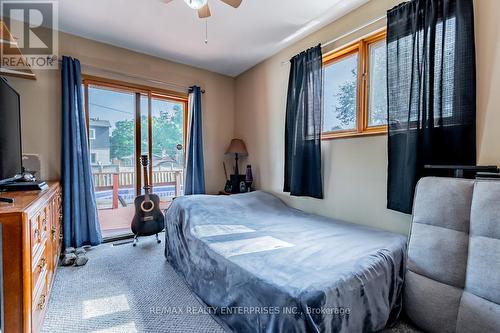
pixel 10 133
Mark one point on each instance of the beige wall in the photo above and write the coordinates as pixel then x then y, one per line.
pixel 41 101
pixel 355 169
pixel 488 80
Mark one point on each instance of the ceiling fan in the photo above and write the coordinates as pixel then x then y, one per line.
pixel 202 6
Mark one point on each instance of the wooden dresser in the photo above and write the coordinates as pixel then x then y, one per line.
pixel 31 243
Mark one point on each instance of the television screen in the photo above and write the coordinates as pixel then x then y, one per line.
pixel 10 132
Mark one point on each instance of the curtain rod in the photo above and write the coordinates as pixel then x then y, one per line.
pixel 354 31
pixel 164 83
pixel 336 39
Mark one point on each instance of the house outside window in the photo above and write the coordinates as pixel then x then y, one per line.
pixel 99 133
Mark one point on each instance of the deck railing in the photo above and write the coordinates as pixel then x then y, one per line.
pixel 126 179
pixel 105 181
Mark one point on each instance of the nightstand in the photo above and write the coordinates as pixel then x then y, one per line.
pixel 225 193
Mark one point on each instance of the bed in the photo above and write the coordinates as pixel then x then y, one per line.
pixel 262 266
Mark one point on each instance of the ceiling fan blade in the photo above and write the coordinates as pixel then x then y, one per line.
pixel 232 3
pixel 204 11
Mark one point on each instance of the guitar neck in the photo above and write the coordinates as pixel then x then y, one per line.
pixel 147 188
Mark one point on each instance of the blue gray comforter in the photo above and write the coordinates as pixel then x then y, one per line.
pixel 265 267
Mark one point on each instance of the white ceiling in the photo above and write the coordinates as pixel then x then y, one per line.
pixel 238 39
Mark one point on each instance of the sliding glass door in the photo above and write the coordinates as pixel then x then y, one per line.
pixel 123 123
pixel 167 147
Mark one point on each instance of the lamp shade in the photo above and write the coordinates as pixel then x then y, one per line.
pixel 237 146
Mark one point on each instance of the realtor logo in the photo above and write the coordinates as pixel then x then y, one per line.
pixel 29 35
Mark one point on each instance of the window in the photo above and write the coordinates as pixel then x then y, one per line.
pixel 377 84
pixel 93 158
pixel 341 92
pixel 92 134
pixel 355 89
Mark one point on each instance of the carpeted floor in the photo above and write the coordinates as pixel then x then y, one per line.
pixel 126 289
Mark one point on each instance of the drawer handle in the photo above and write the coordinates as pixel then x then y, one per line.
pixel 41 303
pixel 53 232
pixel 37 233
pixel 42 263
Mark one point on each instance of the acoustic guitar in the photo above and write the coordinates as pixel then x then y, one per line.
pixel 148 219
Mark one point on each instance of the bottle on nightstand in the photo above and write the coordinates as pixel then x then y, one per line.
pixel 249 178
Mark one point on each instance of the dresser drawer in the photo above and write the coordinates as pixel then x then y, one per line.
pixel 36 233
pixel 40 229
pixel 39 267
pixel 39 303
pixel 45 221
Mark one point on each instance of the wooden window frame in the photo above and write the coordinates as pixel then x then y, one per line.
pixel 139 91
pixel 362 48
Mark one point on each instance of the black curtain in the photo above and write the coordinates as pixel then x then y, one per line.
pixel 431 79
pixel 303 125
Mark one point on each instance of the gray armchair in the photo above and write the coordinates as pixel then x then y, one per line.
pixel 453 270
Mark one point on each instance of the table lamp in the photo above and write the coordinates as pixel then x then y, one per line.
pixel 238 148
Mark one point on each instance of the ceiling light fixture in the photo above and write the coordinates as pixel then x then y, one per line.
pixel 196 4
pixel 202 6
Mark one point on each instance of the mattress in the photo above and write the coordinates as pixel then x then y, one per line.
pixel 262 266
